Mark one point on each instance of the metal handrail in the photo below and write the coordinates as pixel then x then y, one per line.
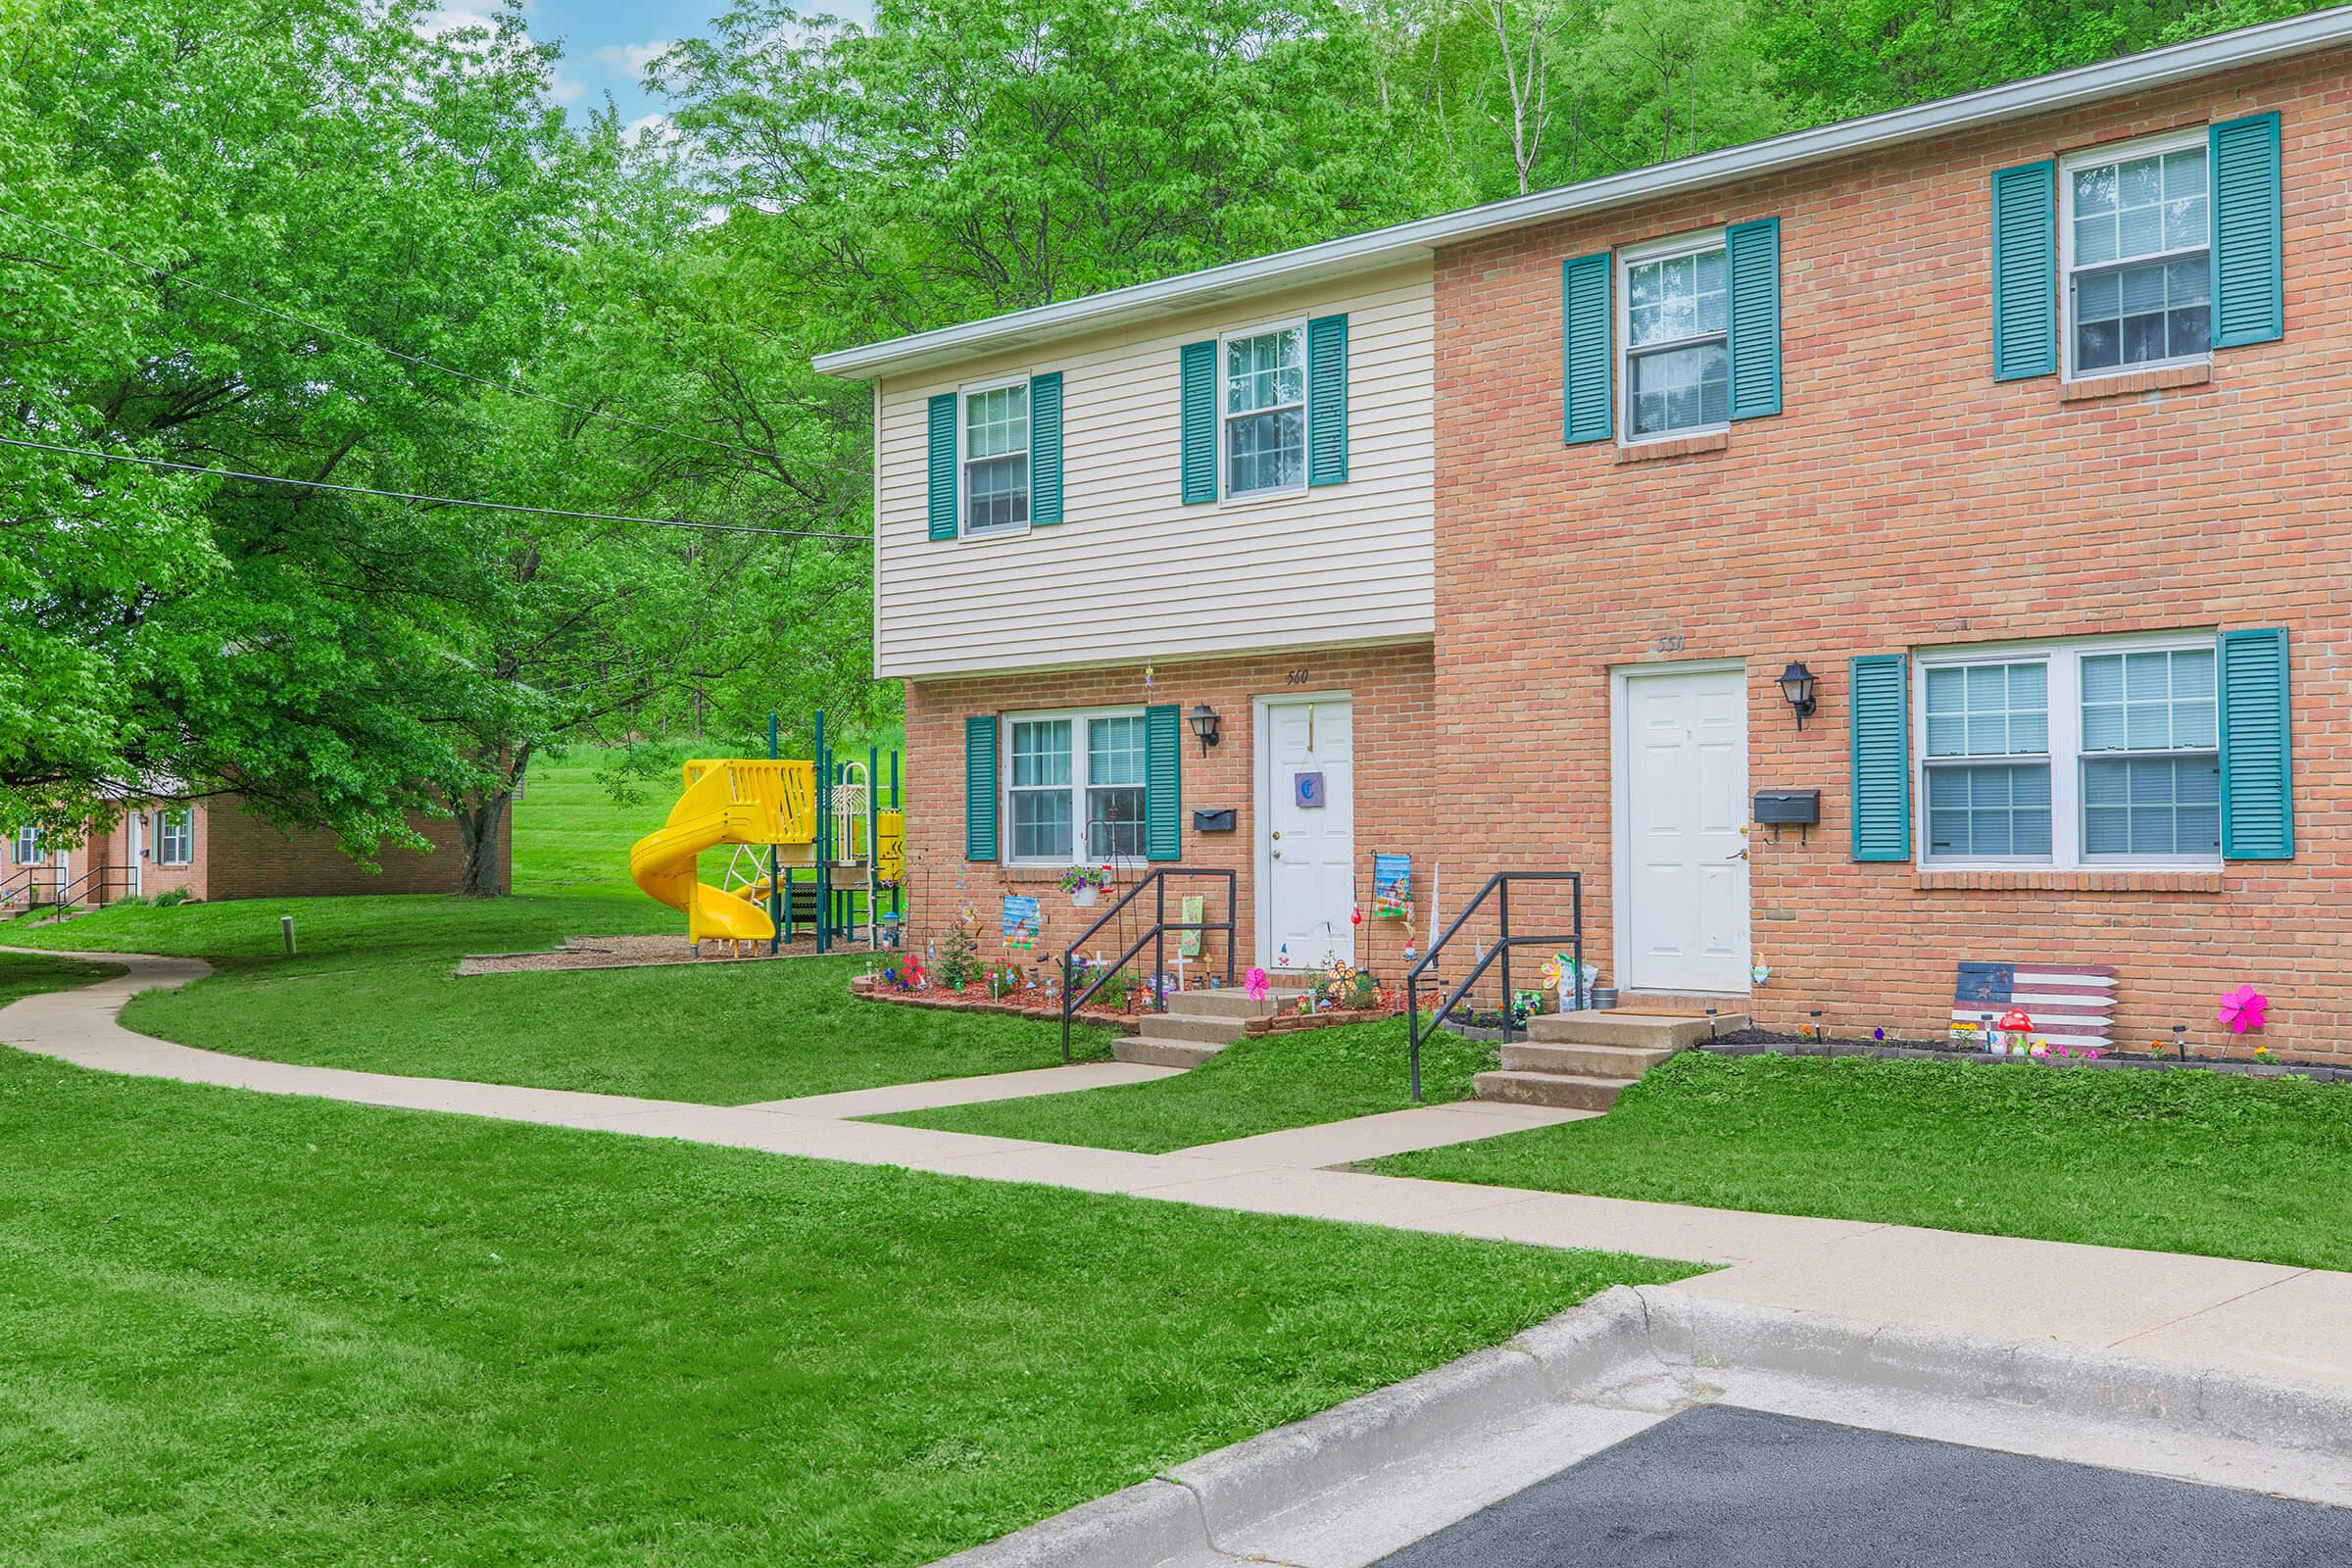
pixel 1499 884
pixel 70 895
pixel 1073 999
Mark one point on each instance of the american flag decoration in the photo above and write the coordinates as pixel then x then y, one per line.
pixel 2070 1004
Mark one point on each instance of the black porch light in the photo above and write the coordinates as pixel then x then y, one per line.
pixel 1206 723
pixel 1796 684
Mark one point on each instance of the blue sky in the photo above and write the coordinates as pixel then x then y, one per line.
pixel 607 42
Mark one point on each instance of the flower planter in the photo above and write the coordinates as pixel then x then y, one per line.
pixel 1084 897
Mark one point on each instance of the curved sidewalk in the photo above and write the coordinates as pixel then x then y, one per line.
pixel 2220 1313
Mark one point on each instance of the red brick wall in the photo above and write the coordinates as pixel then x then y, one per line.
pixel 246 857
pixel 1906 499
pixel 1393 774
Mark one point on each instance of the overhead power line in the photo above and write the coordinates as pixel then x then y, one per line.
pixel 184 281
pixel 438 500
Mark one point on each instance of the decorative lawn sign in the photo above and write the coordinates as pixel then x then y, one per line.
pixel 2069 1003
pixel 1393 887
pixel 1310 787
pixel 1023 921
pixel 1192 911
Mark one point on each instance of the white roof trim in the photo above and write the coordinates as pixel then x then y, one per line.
pixel 1355 253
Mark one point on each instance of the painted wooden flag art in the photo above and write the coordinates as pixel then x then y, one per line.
pixel 2069 1003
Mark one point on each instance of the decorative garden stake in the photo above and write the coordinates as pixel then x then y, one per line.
pixel 1255 983
pixel 2244 1009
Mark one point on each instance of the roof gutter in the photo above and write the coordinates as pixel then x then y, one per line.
pixel 2065 89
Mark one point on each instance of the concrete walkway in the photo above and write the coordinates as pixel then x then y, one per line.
pixel 2211 1312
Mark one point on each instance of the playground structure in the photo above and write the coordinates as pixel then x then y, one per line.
pixel 829 858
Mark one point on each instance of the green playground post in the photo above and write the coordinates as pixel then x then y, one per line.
pixel 775 901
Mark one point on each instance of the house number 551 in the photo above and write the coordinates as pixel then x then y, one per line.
pixel 1669 643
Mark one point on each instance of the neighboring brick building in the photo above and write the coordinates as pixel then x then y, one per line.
pixel 214 849
pixel 2005 417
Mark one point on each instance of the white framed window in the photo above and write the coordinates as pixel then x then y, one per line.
pixel 2136 246
pixel 1674 323
pixel 1074 786
pixel 27 847
pixel 175 836
pixel 1262 422
pixel 995 438
pixel 2102 751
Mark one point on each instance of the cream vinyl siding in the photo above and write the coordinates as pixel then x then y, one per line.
pixel 1133 573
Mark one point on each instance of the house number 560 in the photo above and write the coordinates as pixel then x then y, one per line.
pixel 1297 678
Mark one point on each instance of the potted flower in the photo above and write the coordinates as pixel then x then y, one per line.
pixel 1084 884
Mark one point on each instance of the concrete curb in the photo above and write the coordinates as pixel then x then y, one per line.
pixel 1652 1349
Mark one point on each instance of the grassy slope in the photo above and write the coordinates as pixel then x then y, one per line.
pixel 247 1330
pixel 2178 1161
pixel 372 986
pixel 1258 1085
pixel 25 974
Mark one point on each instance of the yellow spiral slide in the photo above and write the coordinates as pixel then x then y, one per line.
pixel 728 801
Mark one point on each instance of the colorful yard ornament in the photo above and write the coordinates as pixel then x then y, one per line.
pixel 1760 973
pixel 1553 972
pixel 2244 1011
pixel 2016 1026
pixel 1255 983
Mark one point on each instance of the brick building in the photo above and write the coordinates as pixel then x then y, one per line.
pixel 215 850
pixel 1959 475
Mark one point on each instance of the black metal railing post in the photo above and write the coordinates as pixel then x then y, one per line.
pixel 1498 887
pixel 1159 941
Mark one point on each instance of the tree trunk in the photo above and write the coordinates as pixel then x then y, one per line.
pixel 479 818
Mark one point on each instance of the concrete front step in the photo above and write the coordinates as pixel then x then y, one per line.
pixel 1617 1027
pixel 1625 1062
pixel 1162 1053
pixel 1228 1003
pixel 1212 1031
pixel 1571 1091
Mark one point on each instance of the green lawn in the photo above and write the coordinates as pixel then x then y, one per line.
pixel 2175 1162
pixel 24 974
pixel 248 1329
pixel 1262 1084
pixel 372 984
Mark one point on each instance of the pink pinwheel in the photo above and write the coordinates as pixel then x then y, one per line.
pixel 1256 984
pixel 2244 1009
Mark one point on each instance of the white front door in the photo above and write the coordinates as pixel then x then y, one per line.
pixel 134 848
pixel 1306 831
pixel 1682 805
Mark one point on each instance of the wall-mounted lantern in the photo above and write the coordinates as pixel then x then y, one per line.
pixel 1205 725
pixel 1796 684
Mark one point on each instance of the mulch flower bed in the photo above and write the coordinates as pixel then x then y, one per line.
pixel 976 999
pixel 1759 1042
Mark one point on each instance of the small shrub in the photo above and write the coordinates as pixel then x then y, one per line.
pixel 173 899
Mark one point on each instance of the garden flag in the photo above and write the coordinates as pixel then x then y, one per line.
pixel 2070 1004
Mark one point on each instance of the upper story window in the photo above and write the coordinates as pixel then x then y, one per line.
pixel 1076 779
pixel 176 837
pixel 1676 329
pixel 2137 233
pixel 995 458
pixel 1266 412
pixel 2103 752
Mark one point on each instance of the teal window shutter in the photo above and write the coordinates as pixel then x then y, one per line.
pixel 1163 784
pixel 2258 798
pixel 1753 259
pixel 1326 400
pixel 1586 334
pixel 1881 687
pixel 2249 289
pixel 1198 401
pixel 2024 272
pixel 943 466
pixel 1045 450
pixel 980 787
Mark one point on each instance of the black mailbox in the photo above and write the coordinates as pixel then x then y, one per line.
pixel 1788 807
pixel 1214 822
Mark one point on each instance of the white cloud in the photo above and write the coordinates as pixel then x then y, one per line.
pixel 567 90
pixel 631 58
pixel 647 128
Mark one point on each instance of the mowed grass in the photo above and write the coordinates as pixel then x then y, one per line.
pixel 373 985
pixel 25 974
pixel 2173 1161
pixel 1260 1084
pixel 257 1328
